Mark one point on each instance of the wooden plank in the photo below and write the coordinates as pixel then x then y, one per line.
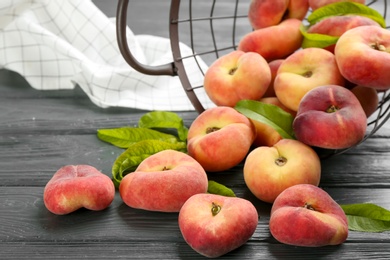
pixel 25 218
pixel 38 233
pixel 31 159
pixel 67 116
pixel 72 139
pixel 167 250
pixel 41 131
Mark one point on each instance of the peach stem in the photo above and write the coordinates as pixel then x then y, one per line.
pixel 215 209
pixel 281 161
pixel 232 71
pixel 307 74
pixel 212 129
pixel 379 47
pixel 308 206
pixel 332 109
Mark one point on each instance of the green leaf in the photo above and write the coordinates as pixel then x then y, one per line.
pixel 269 114
pixel 164 119
pixel 316 39
pixel 129 160
pixel 124 137
pixel 367 217
pixel 346 8
pixel 219 189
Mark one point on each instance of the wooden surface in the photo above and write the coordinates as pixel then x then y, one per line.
pixel 40 131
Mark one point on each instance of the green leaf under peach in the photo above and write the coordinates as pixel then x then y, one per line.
pixel 129 160
pixel 269 114
pixel 164 120
pixel 346 8
pixel 316 39
pixel 124 137
pixel 219 189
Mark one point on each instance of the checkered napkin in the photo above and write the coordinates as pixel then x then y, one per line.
pixel 57 44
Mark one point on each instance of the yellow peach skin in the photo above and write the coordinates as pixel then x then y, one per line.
pixel 237 76
pixel 220 138
pixel 363 56
pixel 78 186
pixel 267 41
pixel 305 70
pixel 265 13
pixel 268 171
pixel 265 134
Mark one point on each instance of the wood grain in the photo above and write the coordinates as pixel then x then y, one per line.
pixel 40 131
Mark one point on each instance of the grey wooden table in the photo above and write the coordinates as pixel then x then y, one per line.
pixel 40 131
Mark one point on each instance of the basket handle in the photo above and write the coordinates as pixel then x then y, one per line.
pixel 121 25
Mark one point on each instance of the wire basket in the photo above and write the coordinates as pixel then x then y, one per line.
pixel 210 33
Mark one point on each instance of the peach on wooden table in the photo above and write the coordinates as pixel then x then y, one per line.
pixel 78 186
pixel 214 225
pixel 268 171
pixel 306 215
pixel 163 182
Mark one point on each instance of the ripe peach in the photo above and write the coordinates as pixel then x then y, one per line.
pixel 267 43
pixel 163 182
pixel 236 76
pixel 214 225
pixel 297 9
pixel 220 138
pixel 268 171
pixel 303 71
pixel 363 56
pixel 368 98
pixel 274 66
pixel 305 215
pixel 265 13
pixel 330 117
pixel 337 25
pixel 78 186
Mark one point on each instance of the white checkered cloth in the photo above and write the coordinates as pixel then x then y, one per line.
pixel 57 44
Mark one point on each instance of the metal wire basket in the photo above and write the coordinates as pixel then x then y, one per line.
pixel 221 25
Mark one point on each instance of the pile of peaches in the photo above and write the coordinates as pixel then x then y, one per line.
pixel 326 76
